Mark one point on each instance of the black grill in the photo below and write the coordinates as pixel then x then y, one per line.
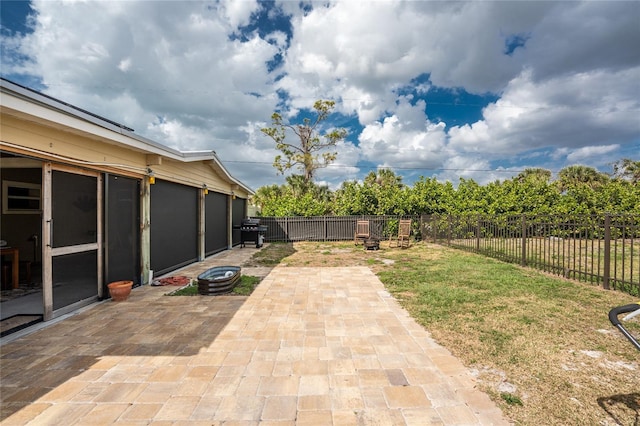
pixel 251 231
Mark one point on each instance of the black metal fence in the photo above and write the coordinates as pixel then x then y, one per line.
pixel 330 228
pixel 603 250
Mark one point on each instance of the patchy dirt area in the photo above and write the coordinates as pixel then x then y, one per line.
pixel 342 253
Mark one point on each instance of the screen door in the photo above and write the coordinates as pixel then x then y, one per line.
pixel 73 259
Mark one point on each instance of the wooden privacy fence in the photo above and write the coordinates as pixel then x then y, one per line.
pixel 603 249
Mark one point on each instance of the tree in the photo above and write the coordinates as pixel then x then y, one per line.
pixel 579 175
pixel 266 196
pixel 306 153
pixel 537 174
pixel 578 190
pixel 383 177
pixel 428 196
pixel 627 169
pixel 298 185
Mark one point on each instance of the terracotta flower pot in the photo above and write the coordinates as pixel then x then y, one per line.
pixel 120 290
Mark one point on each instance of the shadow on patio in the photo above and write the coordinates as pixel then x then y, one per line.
pixel 116 346
pixel 149 328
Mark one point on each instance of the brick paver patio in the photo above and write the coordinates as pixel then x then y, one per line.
pixel 310 346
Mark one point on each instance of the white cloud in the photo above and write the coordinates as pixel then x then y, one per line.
pixel 590 152
pixel 344 168
pixel 183 73
pixel 124 65
pixel 574 111
pixel 468 167
pixel 147 60
pixel 405 139
pixel 383 44
pixel 238 12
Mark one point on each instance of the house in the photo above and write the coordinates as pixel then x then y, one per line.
pixel 86 201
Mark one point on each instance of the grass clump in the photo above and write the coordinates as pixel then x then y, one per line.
pixel 272 254
pixel 246 286
pixel 189 290
pixel 510 399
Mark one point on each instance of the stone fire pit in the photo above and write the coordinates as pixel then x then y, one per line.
pixel 371 243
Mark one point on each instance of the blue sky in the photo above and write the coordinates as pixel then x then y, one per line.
pixel 477 90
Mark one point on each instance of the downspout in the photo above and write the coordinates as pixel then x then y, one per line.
pixel 145 232
pixel 201 225
pixel 230 221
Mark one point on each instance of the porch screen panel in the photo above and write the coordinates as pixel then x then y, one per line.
pixel 74 204
pixel 216 223
pixel 174 226
pixel 122 229
pixel 237 214
pixel 74 278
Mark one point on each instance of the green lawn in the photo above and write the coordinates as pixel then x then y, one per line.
pixel 543 346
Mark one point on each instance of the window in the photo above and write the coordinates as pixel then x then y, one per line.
pixel 20 197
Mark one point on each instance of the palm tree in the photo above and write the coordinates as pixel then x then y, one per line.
pixel 322 193
pixel 383 177
pixel 537 174
pixel 265 195
pixel 579 175
pixel 298 185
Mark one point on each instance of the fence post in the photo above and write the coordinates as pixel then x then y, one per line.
pixel 449 231
pixel 325 227
pixel 286 228
pixel 607 252
pixel 435 221
pixel 523 261
pixel 478 234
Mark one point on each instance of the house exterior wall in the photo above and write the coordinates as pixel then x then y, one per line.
pixel 49 143
pixel 99 154
pixel 55 134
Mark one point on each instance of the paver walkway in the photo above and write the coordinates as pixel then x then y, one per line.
pixel 310 346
